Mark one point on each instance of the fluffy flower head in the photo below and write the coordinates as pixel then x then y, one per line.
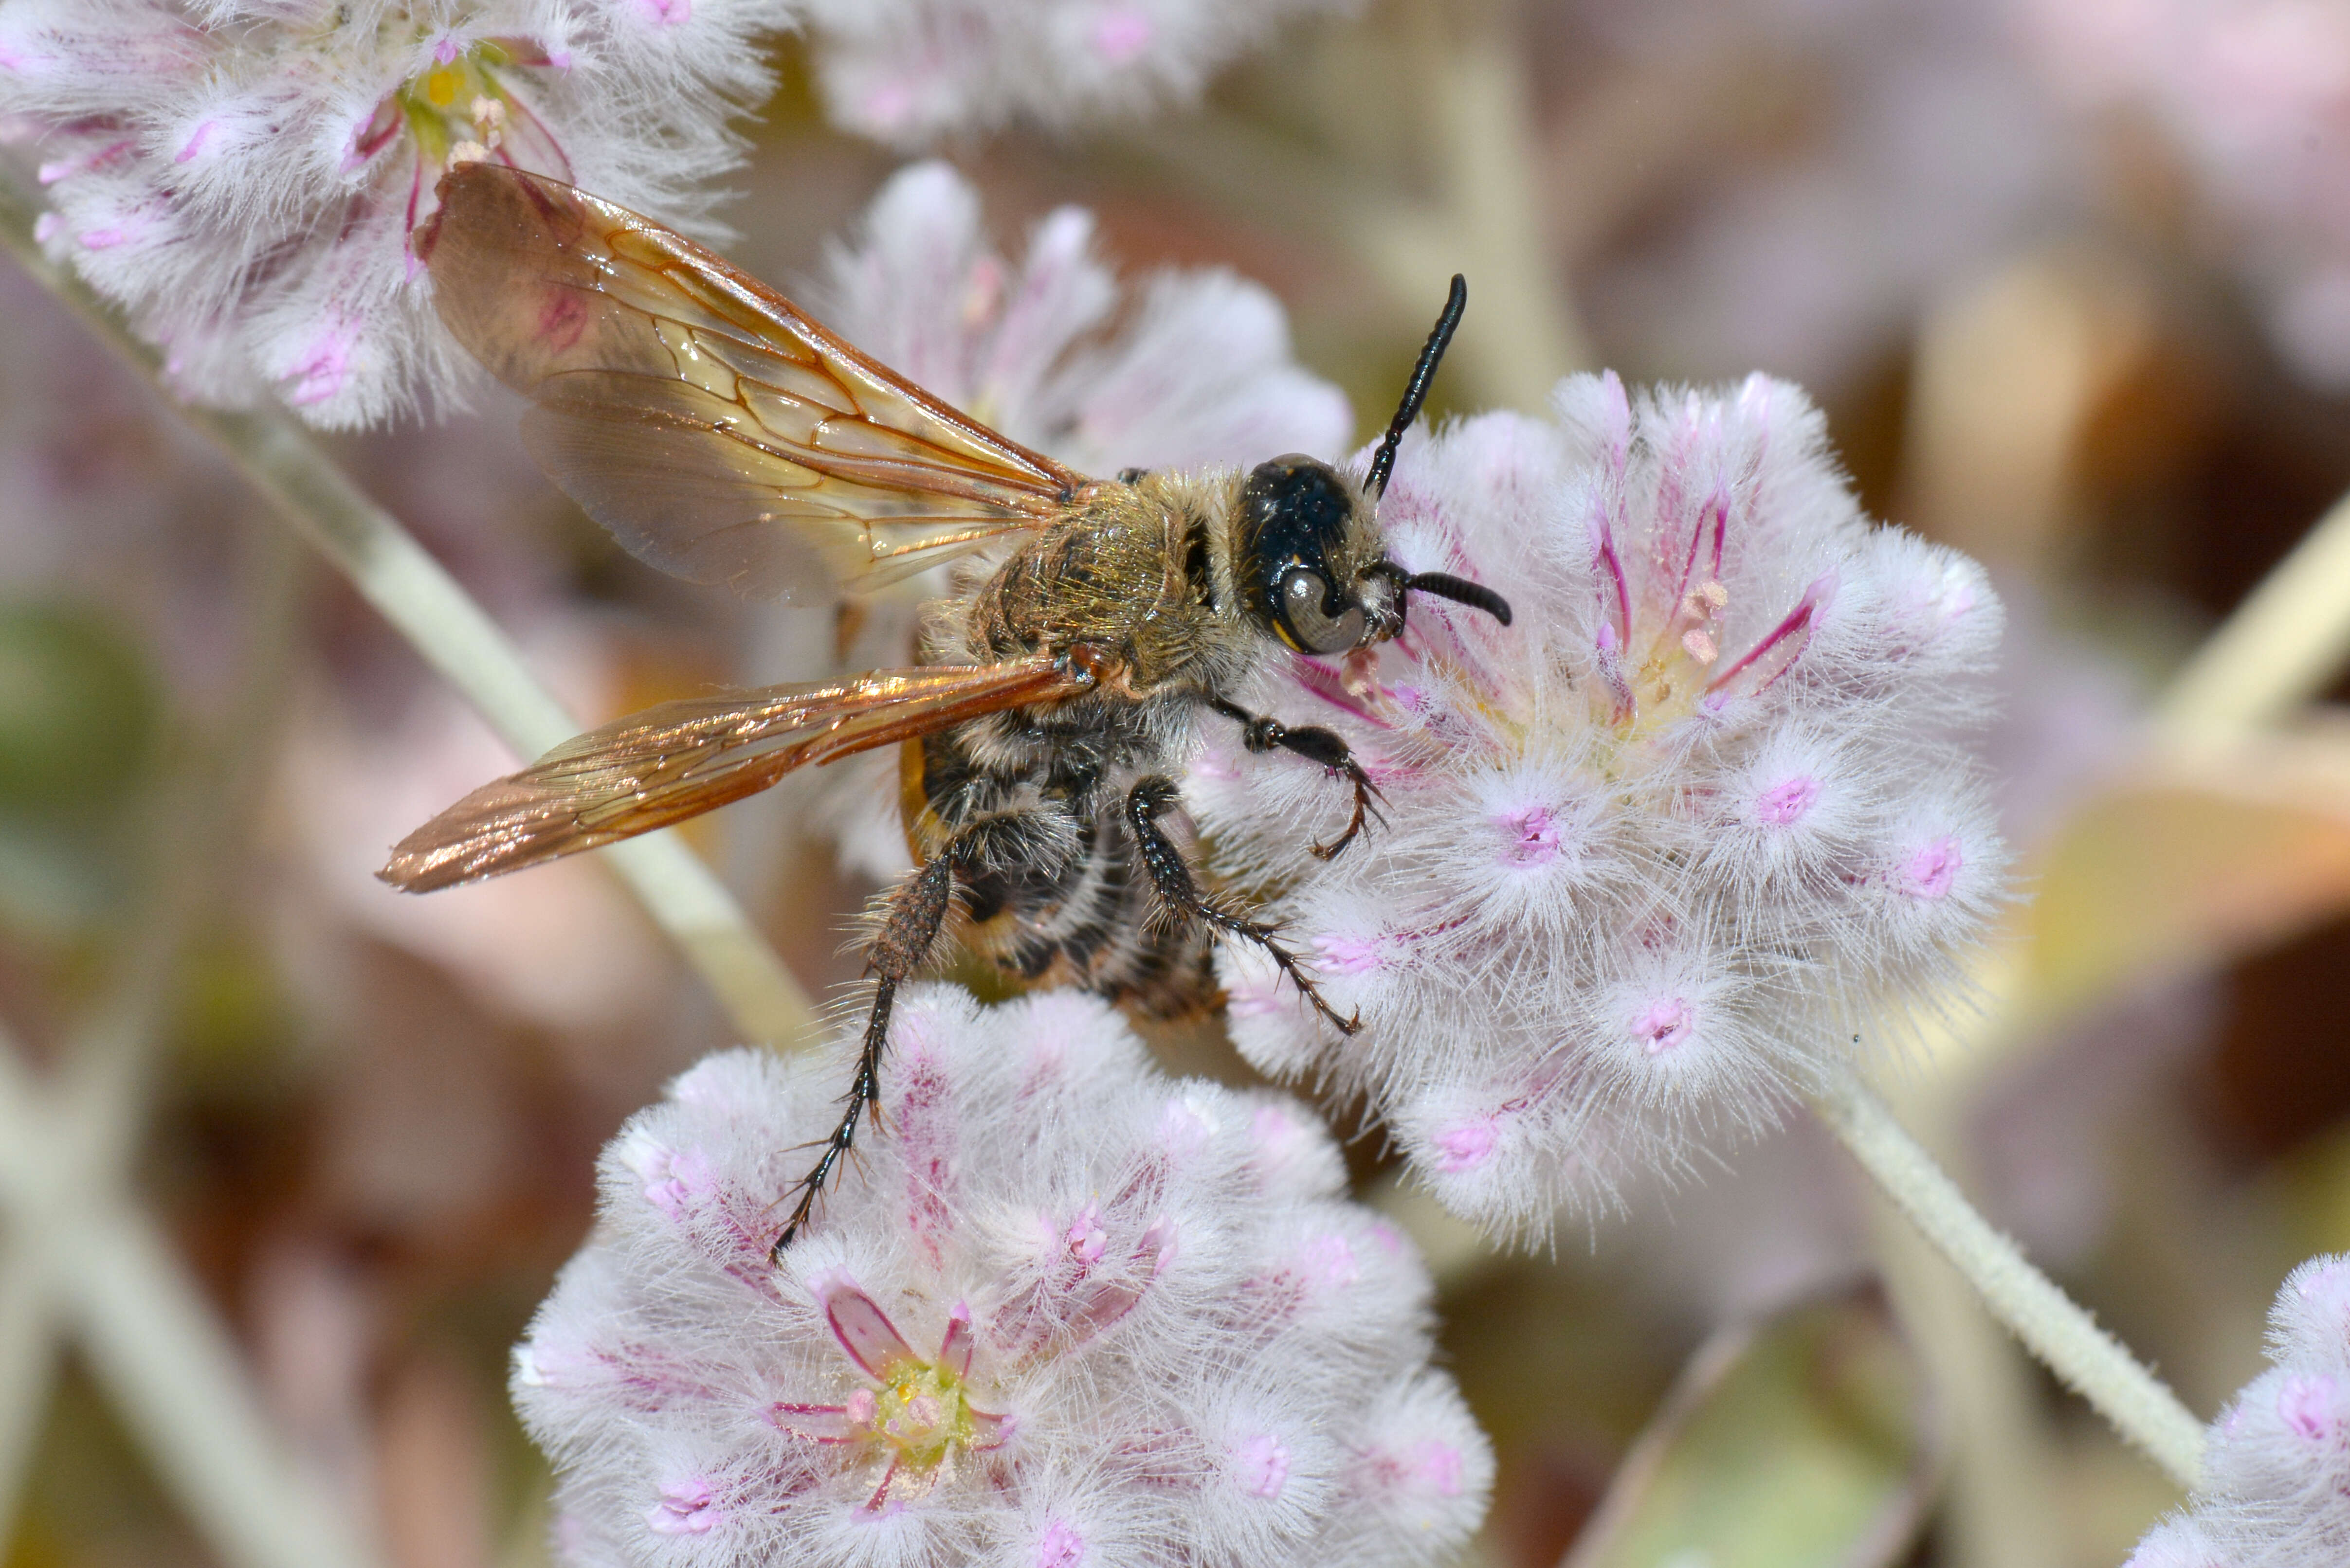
pixel 242 175
pixel 911 71
pixel 1067 1311
pixel 1195 368
pixel 2276 1489
pixel 1655 850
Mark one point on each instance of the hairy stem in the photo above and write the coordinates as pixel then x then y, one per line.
pixel 2051 1324
pixel 457 638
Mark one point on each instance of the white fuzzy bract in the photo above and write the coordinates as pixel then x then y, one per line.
pixel 242 176
pixel 1692 826
pixel 2276 1464
pixel 913 71
pixel 1065 1312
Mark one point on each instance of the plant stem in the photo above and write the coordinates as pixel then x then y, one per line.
pixel 2051 1324
pixel 2280 648
pixel 457 638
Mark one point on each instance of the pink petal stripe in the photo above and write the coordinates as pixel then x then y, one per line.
pixel 954 1350
pixel 1111 1301
pixel 1776 654
pixel 881 1493
pixel 824 1423
pixel 528 135
pixel 864 1330
pixel 988 1431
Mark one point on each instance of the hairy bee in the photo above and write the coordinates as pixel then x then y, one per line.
pixel 722 436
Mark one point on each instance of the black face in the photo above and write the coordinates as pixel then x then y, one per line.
pixel 1294 512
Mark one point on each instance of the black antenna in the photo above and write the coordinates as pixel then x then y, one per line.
pixel 1415 391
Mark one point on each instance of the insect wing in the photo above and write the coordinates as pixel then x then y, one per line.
pixel 678 760
pixel 718 432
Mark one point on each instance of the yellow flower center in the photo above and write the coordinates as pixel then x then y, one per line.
pixel 456 102
pixel 923 1413
pixel 1681 660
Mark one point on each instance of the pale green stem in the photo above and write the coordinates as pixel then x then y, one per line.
pixel 457 638
pixel 82 1259
pixel 2282 646
pixel 2051 1324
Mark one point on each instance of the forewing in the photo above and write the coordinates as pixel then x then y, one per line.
pixel 717 432
pixel 681 759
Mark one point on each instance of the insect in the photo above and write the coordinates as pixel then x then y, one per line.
pixel 722 436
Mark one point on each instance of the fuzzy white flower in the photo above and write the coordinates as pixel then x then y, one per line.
pixel 1198 369
pixel 1066 1312
pixel 242 175
pixel 2276 1465
pixel 1192 368
pixel 1696 822
pixel 911 71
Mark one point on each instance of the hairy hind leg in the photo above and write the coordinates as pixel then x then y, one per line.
pixel 909 929
pixel 1180 891
pixel 1032 839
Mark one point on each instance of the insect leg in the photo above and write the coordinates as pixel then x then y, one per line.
pixel 1179 890
pixel 909 929
pixel 1316 744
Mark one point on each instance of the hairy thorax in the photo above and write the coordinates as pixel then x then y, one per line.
pixel 1140 573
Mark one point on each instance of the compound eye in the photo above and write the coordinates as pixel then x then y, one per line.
pixel 1310 627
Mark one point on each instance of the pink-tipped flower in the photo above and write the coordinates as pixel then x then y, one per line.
pixel 911 71
pixel 1192 367
pixel 242 176
pixel 1657 851
pixel 1064 1312
pixel 2276 1464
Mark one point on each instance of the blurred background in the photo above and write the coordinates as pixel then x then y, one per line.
pixel 2072 278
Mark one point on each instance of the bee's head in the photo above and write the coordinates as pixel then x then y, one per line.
pixel 1311 565
pixel 1305 539
pixel 1311 561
